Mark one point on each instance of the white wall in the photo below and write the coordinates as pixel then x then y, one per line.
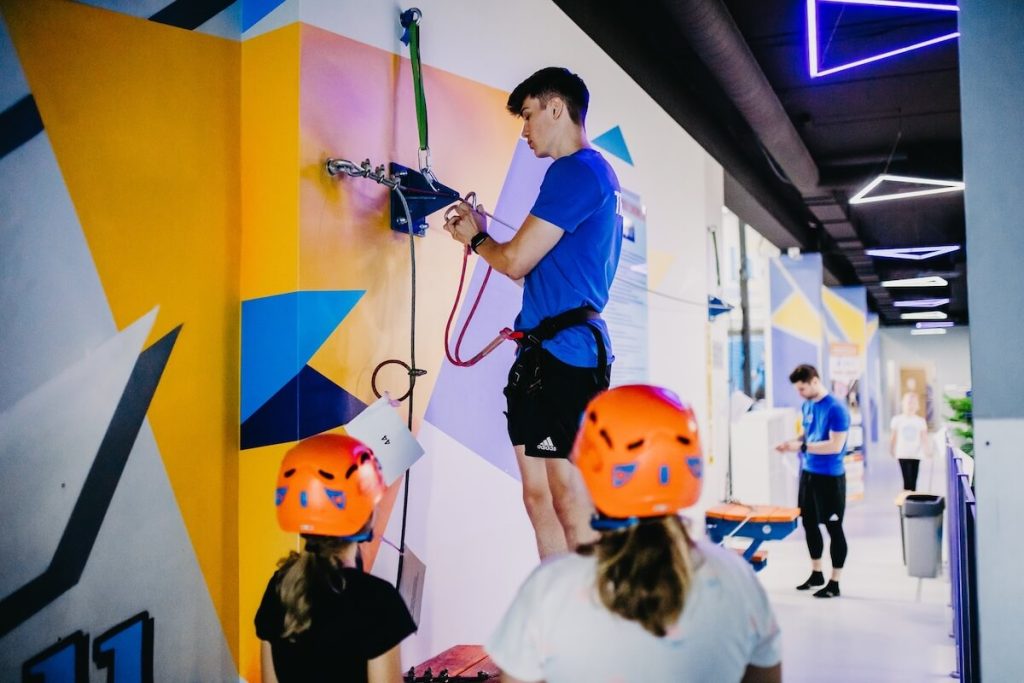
pixel 466 521
pixel 949 354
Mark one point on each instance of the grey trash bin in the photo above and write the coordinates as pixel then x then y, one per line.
pixel 922 534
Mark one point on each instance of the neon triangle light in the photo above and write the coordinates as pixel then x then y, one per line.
pixel 813 59
pixel 924 315
pixel 913 253
pixel 924 281
pixel 937 187
pixel 920 303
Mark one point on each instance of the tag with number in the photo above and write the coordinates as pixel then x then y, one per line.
pixel 382 429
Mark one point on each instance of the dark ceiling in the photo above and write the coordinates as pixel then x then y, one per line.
pixel 900 116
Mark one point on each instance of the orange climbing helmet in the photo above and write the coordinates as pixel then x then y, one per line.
pixel 328 485
pixel 639 453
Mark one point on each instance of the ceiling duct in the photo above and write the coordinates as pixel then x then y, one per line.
pixel 714 36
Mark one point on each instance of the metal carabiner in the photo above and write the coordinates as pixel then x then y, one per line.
pixel 470 199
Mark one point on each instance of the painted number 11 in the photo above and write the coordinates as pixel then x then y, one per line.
pixel 125 651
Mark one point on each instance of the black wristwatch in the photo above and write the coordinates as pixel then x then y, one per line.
pixel 477 240
pixel 803 447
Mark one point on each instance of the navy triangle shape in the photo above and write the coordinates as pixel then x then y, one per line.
pixel 308 404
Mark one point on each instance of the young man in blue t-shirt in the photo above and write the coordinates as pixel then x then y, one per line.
pixel 566 251
pixel 822 496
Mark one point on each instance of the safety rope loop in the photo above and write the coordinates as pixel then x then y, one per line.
pixel 410 370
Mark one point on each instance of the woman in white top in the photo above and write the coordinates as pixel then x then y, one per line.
pixel 644 602
pixel 909 440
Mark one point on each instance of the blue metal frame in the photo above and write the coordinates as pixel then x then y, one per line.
pixel 963 584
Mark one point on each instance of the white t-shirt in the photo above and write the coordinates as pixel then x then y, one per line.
pixel 557 629
pixel 908 430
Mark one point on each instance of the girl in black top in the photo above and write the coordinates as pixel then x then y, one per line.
pixel 321 618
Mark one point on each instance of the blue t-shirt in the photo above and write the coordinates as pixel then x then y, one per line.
pixel 580 195
pixel 820 418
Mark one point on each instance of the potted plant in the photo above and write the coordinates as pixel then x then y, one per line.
pixel 964 421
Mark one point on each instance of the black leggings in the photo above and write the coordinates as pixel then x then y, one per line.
pixel 823 501
pixel 837 542
pixel 909 467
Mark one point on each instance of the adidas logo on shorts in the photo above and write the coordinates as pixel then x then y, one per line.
pixel 546 445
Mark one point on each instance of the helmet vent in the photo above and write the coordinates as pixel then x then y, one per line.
pixel 351 470
pixel 685 440
pixel 325 475
pixel 607 439
pixel 636 444
pixel 593 416
pixel 288 473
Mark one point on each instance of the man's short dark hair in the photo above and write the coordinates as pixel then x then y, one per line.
pixel 552 81
pixel 803 373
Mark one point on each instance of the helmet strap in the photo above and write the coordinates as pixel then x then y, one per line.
pixel 361 537
pixel 600 522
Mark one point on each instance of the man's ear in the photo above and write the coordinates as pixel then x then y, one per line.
pixel 557 106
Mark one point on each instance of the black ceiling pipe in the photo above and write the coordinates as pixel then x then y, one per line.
pixel 712 33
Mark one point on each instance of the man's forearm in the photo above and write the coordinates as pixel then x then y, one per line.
pixel 497 257
pixel 829 447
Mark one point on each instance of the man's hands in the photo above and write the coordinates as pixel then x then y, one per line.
pixel 466 222
pixel 790 446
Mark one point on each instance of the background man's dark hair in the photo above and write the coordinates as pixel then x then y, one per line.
pixel 554 80
pixel 803 373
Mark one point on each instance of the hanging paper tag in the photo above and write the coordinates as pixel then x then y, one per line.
pixel 381 428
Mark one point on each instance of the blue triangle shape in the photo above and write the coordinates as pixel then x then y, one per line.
pixel 613 142
pixel 308 404
pixel 280 334
pixel 254 10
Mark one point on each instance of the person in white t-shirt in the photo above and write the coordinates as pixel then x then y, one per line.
pixel 909 440
pixel 644 602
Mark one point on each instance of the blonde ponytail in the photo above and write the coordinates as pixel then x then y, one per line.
pixel 300 571
pixel 644 573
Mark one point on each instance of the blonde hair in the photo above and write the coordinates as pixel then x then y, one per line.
pixel 317 564
pixel 644 573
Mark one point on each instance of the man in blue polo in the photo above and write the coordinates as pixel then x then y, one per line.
pixel 567 251
pixel 822 493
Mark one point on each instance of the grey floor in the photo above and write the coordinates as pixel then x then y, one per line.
pixel 886 626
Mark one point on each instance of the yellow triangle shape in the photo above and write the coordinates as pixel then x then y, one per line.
pixel 796 316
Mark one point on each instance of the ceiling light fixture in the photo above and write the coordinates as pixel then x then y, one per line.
pixel 939 187
pixel 913 253
pixel 924 315
pixel 925 281
pixel 918 333
pixel 937 323
pixel 812 32
pixel 920 303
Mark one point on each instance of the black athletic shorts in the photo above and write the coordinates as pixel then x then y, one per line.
pixel 822 497
pixel 546 399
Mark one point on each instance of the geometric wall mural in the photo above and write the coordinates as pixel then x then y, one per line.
pixel 796 322
pixel 102 335
pixel 279 335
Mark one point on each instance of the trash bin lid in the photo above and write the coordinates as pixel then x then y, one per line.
pixel 923 505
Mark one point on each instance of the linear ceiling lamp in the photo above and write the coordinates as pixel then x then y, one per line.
pixel 936 187
pixel 931 330
pixel 817 69
pixel 923 315
pixel 934 323
pixel 913 253
pixel 925 281
pixel 920 303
